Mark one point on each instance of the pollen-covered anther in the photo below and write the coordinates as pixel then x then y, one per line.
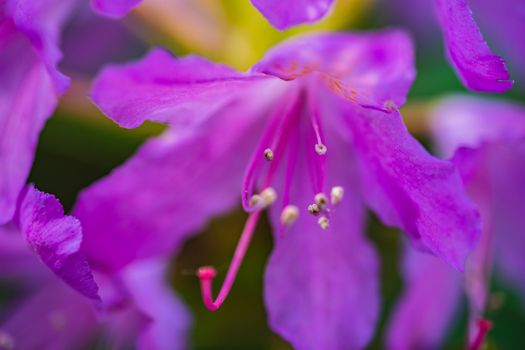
pixel 268 195
pixel 268 154
pixel 206 273
pixel 289 215
pixel 324 222
pixel 255 201
pixel 314 209
pixel 320 149
pixel 321 200
pixel 336 194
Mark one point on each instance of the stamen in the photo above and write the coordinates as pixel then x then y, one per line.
pixel 484 326
pixel 321 200
pixel 206 274
pixel 264 199
pixel 324 222
pixel 336 194
pixel 269 195
pixel 314 209
pixel 289 215
pixel 320 149
pixel 268 154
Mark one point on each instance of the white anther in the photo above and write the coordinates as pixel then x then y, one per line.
pixel 314 209
pixel 256 200
pixel 268 154
pixel 268 196
pixel 336 194
pixel 321 200
pixel 289 215
pixel 324 222
pixel 320 149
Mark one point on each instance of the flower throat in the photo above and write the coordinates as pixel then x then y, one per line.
pixel 294 123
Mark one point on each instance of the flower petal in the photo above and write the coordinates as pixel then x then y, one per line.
pixel 65 320
pixel 169 189
pixel 168 319
pixel 467 121
pixel 374 69
pixel 285 14
pixel 114 8
pixel 56 239
pixel 162 88
pixel 40 22
pixel 29 88
pixel 410 189
pixel 476 65
pixel 429 302
pixel 321 287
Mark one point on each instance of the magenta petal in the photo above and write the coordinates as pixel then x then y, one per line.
pixel 56 239
pixel 29 87
pixel 168 320
pixel 284 14
pixel 114 8
pixel 410 189
pixel 170 188
pixel 65 320
pixel 162 88
pixel 321 287
pixel 467 121
pixel 429 302
pixel 374 69
pixel 477 66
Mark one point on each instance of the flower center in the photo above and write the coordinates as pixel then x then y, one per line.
pixel 294 125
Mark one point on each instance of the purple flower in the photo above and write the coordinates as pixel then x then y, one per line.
pixel 314 121
pixel 135 305
pixel 281 14
pixel 487 137
pixel 29 87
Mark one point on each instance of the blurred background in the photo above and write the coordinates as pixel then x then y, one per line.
pixel 79 145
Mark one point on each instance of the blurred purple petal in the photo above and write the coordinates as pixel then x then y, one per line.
pixel 466 121
pixel 114 8
pixel 410 189
pixel 56 239
pixel 169 189
pixel 168 319
pixel 428 304
pixel 374 69
pixel 285 14
pixel 29 87
pixel 65 320
pixel 162 88
pixel 477 66
pixel 321 287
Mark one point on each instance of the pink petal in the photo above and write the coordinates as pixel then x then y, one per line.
pixel 285 14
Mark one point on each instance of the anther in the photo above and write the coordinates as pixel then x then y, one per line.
pixel 255 200
pixel 289 215
pixel 268 196
pixel 336 194
pixel 268 154
pixel 324 222
pixel 320 149
pixel 321 200
pixel 314 209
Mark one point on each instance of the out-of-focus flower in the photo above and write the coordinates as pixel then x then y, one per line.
pixel 488 138
pixel 30 85
pixel 135 305
pixel 281 14
pixel 314 121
